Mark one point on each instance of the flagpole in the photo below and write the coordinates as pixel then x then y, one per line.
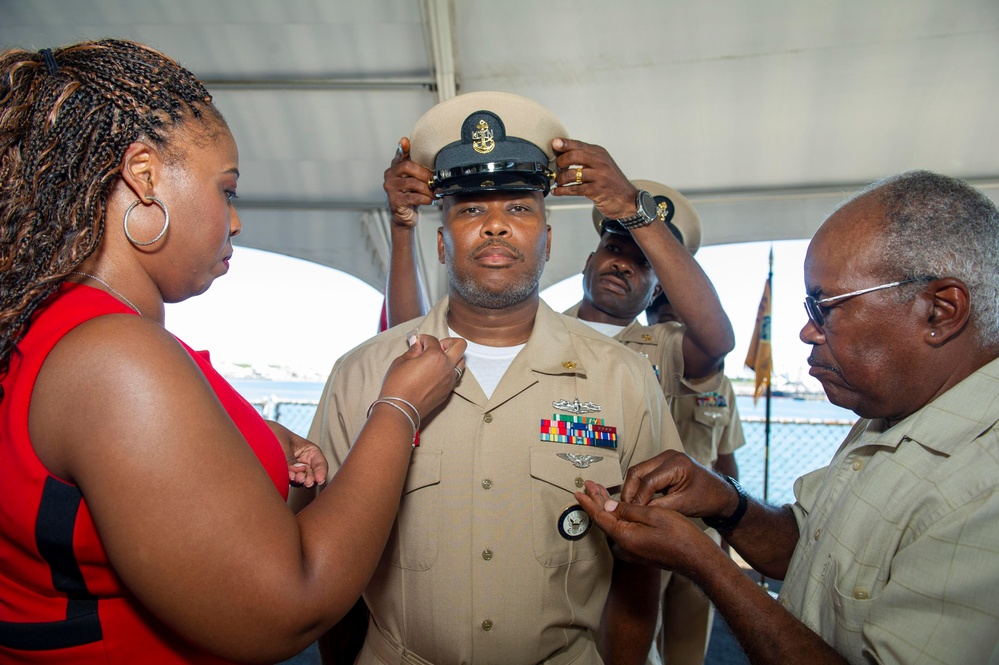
pixel 759 358
pixel 766 424
pixel 766 429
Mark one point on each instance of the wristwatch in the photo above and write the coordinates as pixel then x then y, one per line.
pixel 647 213
pixel 728 524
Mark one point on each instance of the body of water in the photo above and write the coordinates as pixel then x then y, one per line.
pixel 256 390
pixel 790 407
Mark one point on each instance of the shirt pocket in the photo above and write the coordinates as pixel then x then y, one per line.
pixel 554 480
pixel 413 544
pixel 852 601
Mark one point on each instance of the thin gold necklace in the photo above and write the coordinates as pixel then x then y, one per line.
pixel 110 288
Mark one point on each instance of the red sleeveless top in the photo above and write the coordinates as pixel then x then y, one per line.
pixel 60 600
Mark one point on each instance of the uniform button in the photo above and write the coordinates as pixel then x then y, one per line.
pixel 858 464
pixel 579 482
pixel 860 594
pixel 487 625
pixel 488 417
pixel 818 532
pixel 486 484
pixel 487 555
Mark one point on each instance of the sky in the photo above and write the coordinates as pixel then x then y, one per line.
pixel 271 309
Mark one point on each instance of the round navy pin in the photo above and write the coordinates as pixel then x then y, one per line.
pixel 573 523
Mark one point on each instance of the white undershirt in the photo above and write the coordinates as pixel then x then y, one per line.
pixel 488 363
pixel 608 329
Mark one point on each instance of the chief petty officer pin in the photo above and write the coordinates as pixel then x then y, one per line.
pixel 573 523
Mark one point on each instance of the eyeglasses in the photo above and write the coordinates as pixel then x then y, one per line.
pixel 814 307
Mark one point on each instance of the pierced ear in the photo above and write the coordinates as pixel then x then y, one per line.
pixel 950 309
pixel 140 169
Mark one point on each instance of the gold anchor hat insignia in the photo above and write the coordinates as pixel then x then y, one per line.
pixel 482 138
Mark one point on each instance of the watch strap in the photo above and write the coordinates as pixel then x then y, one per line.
pixel 729 523
pixel 634 222
pixel 641 217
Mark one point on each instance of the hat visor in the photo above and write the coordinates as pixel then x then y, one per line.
pixel 494 176
pixel 612 226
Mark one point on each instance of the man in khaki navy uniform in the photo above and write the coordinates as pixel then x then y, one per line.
pixel 491 561
pixel 635 262
pixel 618 283
pixel 711 431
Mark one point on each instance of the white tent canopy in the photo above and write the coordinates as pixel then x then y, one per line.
pixel 765 113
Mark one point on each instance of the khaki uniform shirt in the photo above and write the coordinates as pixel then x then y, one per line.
pixel 475 569
pixel 708 423
pixel 898 559
pixel 662 345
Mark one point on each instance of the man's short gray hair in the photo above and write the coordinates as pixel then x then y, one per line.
pixel 942 227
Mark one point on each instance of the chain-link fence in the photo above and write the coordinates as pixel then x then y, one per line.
pixel 295 414
pixel 797 446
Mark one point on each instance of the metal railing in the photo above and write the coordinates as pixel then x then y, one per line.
pixel 797 446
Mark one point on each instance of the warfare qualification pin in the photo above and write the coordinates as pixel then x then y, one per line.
pixel 573 523
pixel 575 406
pixel 580 461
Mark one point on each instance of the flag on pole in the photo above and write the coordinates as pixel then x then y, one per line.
pixel 759 359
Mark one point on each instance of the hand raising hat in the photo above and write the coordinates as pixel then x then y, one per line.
pixel 679 214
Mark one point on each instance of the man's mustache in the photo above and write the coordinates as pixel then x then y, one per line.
pixel 812 362
pixel 497 242
pixel 620 275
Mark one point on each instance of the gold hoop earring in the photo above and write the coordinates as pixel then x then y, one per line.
pixel 166 222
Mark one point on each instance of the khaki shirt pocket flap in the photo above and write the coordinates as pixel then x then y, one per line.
pixel 710 417
pixel 424 470
pixel 579 463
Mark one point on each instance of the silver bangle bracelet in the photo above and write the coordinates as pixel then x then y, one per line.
pixel 416 430
pixel 415 412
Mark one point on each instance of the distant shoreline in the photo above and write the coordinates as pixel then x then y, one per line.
pixel 794 390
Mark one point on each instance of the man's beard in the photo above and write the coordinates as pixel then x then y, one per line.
pixel 477 295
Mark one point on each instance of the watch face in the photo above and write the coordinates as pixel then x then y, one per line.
pixel 647 207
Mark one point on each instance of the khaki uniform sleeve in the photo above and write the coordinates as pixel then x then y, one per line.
pixel 669 338
pixel 656 431
pixel 330 428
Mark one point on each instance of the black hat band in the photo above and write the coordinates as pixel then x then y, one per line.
pixel 491 176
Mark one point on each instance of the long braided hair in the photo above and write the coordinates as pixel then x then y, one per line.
pixel 66 119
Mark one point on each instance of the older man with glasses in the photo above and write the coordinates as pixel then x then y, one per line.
pixel 890 554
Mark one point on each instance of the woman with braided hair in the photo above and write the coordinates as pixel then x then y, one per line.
pixel 142 501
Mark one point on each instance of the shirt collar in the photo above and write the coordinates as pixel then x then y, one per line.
pixel 959 415
pixel 634 332
pixel 549 350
